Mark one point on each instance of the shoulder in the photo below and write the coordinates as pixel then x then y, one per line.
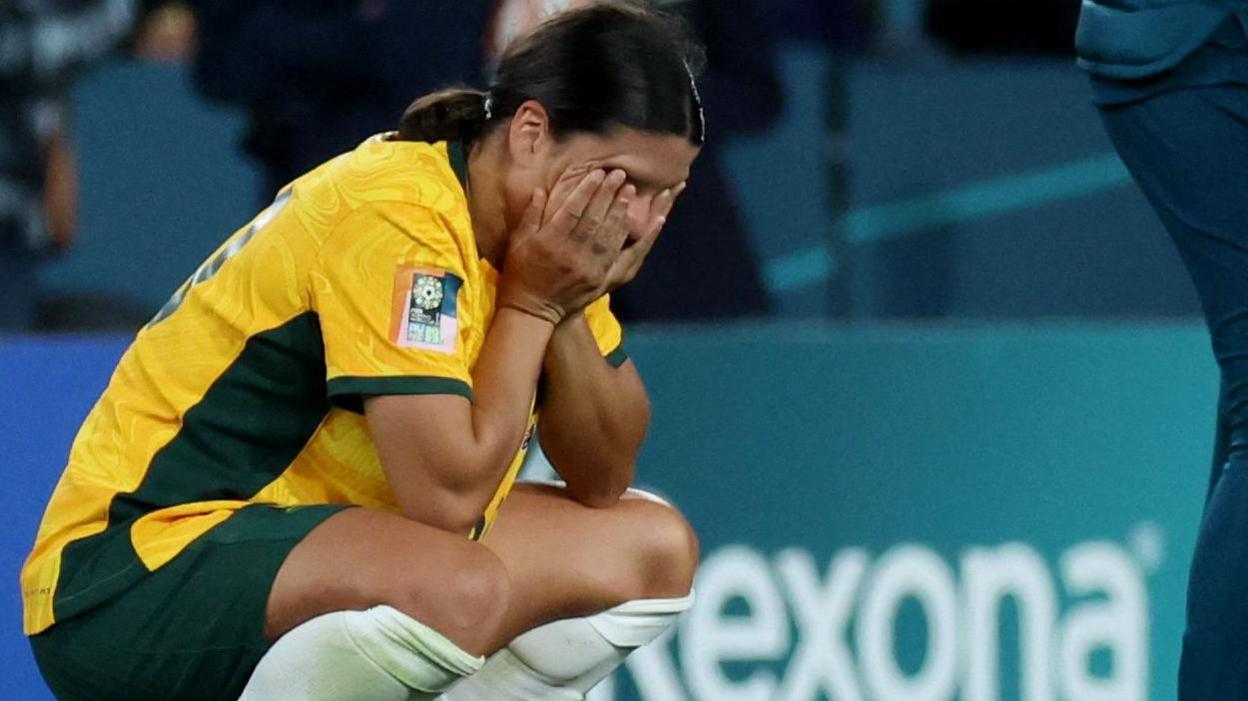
pixel 408 172
pixel 408 188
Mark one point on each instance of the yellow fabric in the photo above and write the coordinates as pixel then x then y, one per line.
pixel 350 242
pixel 605 327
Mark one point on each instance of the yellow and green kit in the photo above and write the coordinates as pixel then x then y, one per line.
pixel 361 279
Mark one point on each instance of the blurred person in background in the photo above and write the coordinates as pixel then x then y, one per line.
pixel 316 77
pixel 706 235
pixel 166 32
pixel 44 45
pixel 845 26
pixel 1171 80
pixel 1021 27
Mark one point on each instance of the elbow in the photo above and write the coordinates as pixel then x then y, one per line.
pixel 456 521
pixel 446 508
pixel 605 489
pixel 596 498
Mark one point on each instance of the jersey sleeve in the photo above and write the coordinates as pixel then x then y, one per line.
pixel 607 331
pixel 391 300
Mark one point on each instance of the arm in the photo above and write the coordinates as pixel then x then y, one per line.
pixel 594 416
pixel 444 455
pixel 60 191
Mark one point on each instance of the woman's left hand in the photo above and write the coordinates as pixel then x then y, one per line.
pixel 635 251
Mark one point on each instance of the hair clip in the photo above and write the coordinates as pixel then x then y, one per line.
pixel 697 101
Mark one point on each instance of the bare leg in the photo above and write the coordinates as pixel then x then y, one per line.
pixel 373 605
pixel 546 558
pixel 564 559
pixel 361 558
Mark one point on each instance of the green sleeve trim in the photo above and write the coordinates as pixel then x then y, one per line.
pixel 617 357
pixel 347 392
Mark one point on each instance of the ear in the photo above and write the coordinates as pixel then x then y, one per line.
pixel 529 134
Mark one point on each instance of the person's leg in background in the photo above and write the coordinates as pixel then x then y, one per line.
pixel 18 290
pixel 1188 151
pixel 1221 443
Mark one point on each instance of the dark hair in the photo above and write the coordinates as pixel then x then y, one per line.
pixel 611 64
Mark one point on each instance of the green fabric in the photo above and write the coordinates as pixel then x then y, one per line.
pixel 346 392
pixel 191 630
pixel 245 431
pixel 1131 39
pixel 617 357
pixel 458 155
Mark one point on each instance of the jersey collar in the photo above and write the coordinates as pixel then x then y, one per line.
pixel 459 162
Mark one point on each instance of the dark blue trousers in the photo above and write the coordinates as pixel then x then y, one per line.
pixel 19 286
pixel 1188 151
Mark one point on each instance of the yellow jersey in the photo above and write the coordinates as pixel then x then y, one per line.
pixel 362 278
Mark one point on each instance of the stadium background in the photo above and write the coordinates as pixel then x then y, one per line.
pixel 966 457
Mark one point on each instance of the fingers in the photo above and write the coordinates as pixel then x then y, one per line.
pixel 594 217
pixel 629 262
pixel 570 213
pixel 659 210
pixel 624 268
pixel 532 220
pixel 563 187
pixel 592 224
pixel 661 207
pixel 614 230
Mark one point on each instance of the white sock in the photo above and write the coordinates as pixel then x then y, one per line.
pixel 374 655
pixel 565 659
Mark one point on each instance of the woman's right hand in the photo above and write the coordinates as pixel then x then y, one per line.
pixel 556 269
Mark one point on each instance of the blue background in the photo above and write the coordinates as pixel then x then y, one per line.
pixel 774 436
pixel 977 189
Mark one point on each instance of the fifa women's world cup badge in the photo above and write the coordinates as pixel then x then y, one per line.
pixel 425 309
pixel 426 302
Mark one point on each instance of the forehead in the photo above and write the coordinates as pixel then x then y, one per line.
pixel 659 160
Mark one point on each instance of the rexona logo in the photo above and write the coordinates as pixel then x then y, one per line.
pixel 845 618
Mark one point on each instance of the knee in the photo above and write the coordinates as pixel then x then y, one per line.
pixel 668 548
pixel 479 591
pixel 468 603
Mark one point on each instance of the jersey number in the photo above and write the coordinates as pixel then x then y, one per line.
pixel 213 264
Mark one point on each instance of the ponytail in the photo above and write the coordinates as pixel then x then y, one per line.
pixel 457 113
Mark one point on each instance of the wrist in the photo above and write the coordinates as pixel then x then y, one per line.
pixel 572 339
pixel 547 315
pixel 569 322
pixel 531 305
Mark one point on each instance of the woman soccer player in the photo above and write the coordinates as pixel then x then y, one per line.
pixel 312 441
